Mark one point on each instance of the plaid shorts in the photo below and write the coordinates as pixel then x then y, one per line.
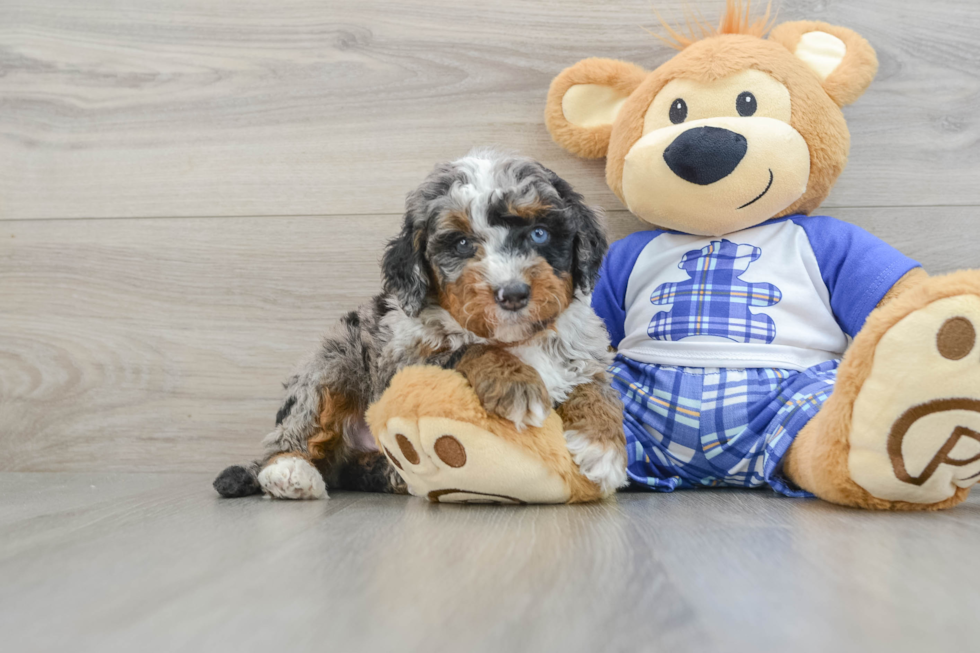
pixel 691 426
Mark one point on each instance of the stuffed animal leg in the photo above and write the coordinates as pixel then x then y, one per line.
pixel 901 430
pixel 431 426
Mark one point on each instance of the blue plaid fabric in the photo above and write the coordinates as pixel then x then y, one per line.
pixel 714 301
pixel 689 427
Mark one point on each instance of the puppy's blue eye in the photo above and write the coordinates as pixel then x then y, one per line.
pixel 463 246
pixel 540 236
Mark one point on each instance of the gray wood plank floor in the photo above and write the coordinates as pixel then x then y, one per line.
pixel 158 562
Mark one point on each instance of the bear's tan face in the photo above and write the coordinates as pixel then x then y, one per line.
pixel 733 130
pixel 721 155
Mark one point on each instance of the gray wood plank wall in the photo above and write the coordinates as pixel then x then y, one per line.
pixel 191 192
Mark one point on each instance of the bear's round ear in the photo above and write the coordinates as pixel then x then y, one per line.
pixel 843 60
pixel 583 102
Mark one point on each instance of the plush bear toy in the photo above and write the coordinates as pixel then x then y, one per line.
pixel 732 317
pixel 449 449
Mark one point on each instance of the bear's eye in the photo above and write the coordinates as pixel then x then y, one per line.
pixel 678 111
pixel 746 104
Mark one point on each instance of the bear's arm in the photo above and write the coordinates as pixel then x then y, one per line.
pixel 912 278
pixel 859 269
pixel 609 294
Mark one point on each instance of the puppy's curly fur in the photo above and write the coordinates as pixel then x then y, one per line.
pixel 491 275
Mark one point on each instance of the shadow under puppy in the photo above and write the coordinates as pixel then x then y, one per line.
pixel 490 276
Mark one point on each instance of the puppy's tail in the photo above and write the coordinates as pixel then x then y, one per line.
pixel 238 481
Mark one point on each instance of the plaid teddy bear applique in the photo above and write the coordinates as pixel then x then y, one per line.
pixel 714 301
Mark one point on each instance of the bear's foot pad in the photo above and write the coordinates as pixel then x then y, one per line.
pixel 916 424
pixel 452 461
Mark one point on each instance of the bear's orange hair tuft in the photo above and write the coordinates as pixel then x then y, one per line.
pixel 737 20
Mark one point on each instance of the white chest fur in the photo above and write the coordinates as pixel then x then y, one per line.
pixel 572 354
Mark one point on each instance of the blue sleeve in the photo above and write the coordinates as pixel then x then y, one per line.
pixel 609 294
pixel 858 268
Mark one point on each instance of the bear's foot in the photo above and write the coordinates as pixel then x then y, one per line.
pixel 915 430
pixel 447 448
pixel 447 460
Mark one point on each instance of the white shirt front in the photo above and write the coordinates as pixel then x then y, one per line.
pixel 803 329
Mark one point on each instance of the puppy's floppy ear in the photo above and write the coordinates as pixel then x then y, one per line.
pixel 590 234
pixel 583 103
pixel 843 60
pixel 404 268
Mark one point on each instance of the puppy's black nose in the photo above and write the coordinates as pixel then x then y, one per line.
pixel 704 155
pixel 513 296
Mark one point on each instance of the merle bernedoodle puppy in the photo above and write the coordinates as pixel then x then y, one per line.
pixel 491 275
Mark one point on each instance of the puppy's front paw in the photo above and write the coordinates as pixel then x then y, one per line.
pixel 601 461
pixel 292 477
pixel 506 386
pixel 525 403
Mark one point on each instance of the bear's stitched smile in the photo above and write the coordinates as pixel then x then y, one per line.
pixel 759 197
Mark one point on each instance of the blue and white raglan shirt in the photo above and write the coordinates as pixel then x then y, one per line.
pixel 728 346
pixel 785 294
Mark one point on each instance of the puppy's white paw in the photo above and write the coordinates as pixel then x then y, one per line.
pixel 603 463
pixel 528 410
pixel 291 477
pixel 521 402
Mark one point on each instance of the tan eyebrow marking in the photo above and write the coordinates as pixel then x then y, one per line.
pixel 456 221
pixel 529 211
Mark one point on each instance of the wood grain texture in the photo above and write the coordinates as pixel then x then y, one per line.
pixel 153 562
pixel 307 107
pixel 159 344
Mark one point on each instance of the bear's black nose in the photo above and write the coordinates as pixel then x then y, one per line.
pixel 704 155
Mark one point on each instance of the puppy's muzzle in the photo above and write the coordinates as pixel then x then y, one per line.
pixel 513 296
pixel 704 155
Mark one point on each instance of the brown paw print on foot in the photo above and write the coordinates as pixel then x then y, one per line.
pixel 450 461
pixel 916 425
